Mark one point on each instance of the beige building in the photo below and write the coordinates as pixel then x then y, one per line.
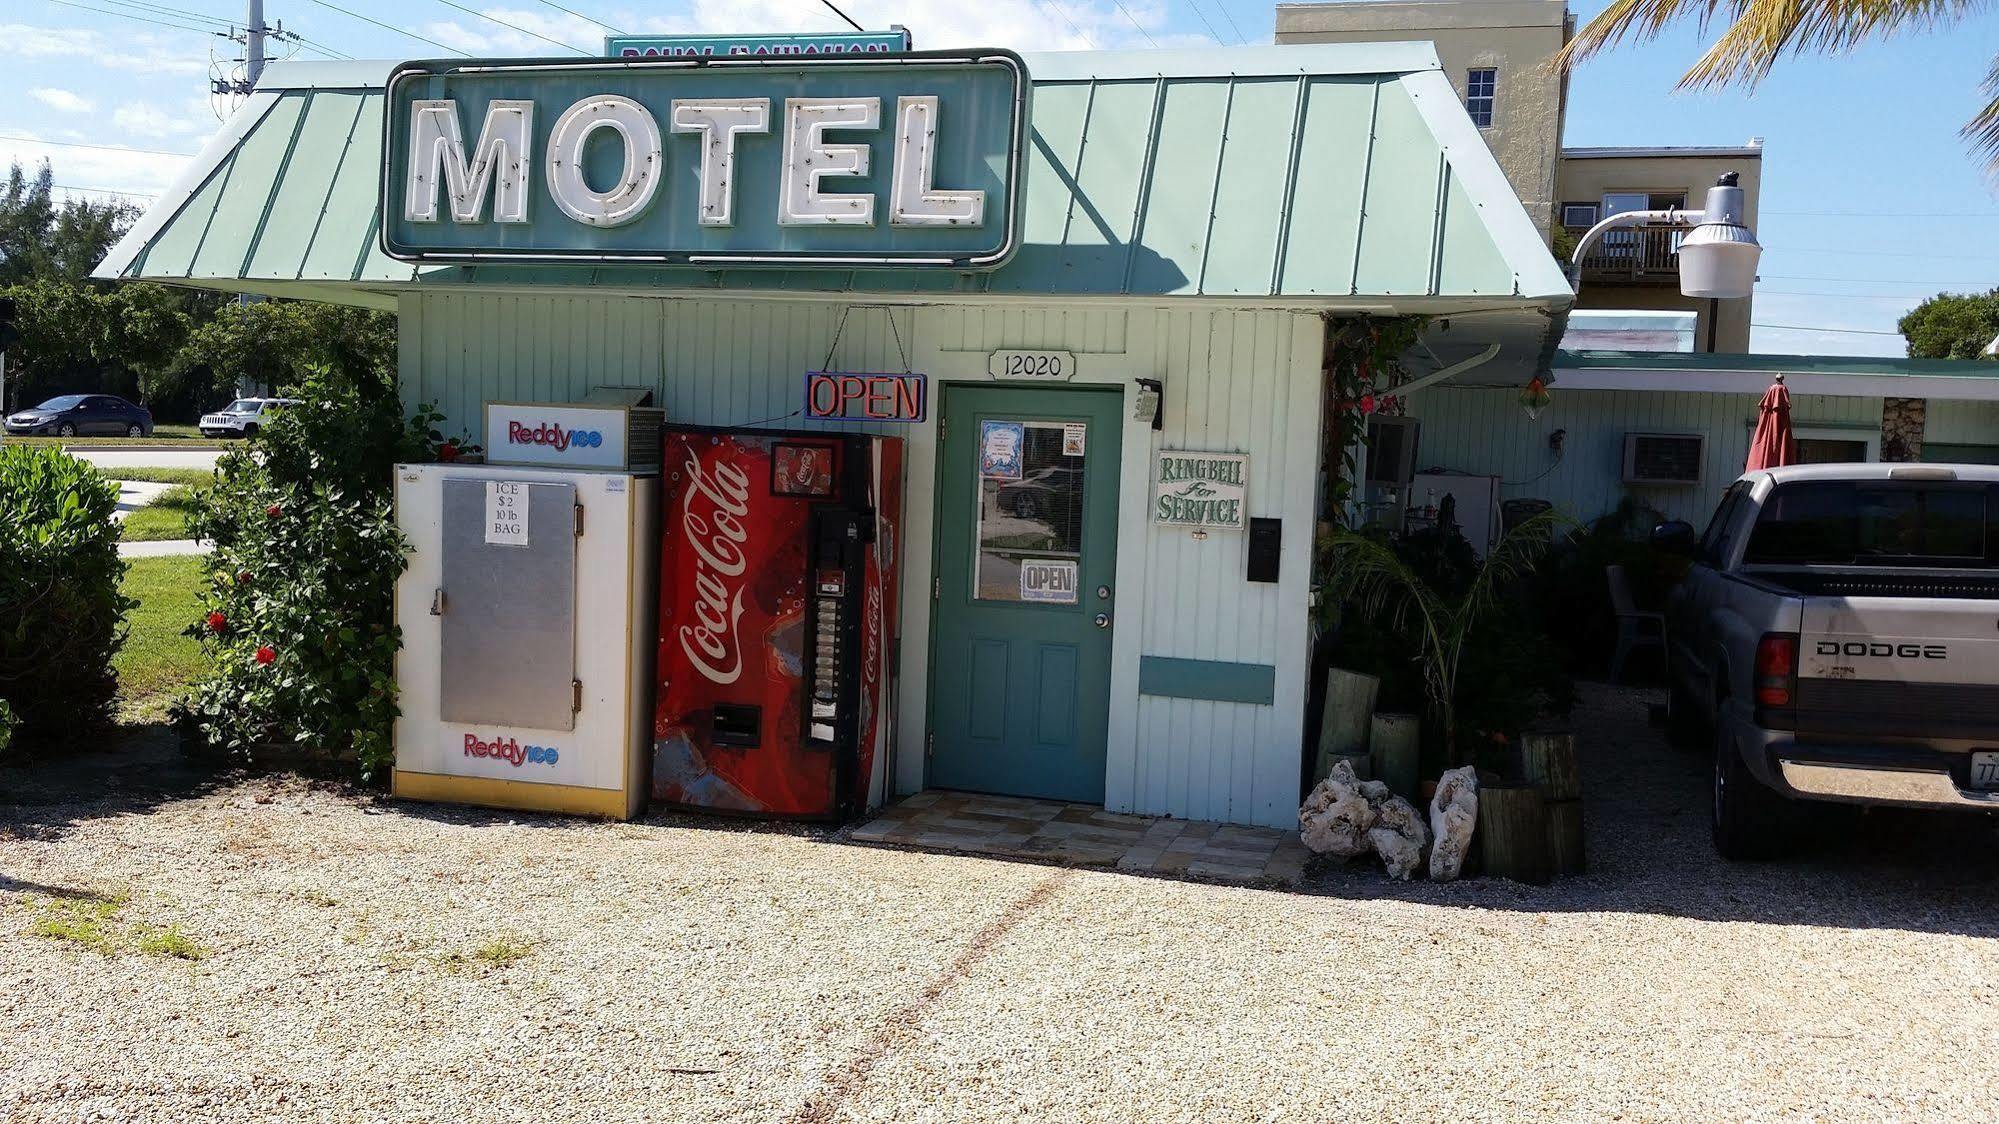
pixel 1498 54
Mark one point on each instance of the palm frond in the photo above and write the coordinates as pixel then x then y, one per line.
pixel 1983 130
pixel 1512 557
pixel 1368 574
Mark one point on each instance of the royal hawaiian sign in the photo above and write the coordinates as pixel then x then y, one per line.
pixel 731 160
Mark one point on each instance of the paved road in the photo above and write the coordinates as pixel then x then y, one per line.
pixel 159 548
pixel 112 459
pixel 135 494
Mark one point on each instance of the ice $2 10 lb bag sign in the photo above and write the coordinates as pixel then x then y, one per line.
pixel 1201 490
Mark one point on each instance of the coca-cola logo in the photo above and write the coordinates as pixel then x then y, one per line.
pixel 712 508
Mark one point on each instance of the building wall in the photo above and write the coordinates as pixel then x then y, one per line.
pixel 1486 432
pixel 1587 179
pixel 1235 381
pixel 1517 37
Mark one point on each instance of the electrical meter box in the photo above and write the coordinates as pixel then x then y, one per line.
pixel 528 637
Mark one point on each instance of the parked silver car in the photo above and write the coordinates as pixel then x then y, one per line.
pixel 243 417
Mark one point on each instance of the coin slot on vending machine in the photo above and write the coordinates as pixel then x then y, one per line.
pixel 839 534
pixel 737 725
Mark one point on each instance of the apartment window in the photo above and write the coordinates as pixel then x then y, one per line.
pixel 1582 215
pixel 1481 85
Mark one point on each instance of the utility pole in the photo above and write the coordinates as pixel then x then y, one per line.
pixel 254 36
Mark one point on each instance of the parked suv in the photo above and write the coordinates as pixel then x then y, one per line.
pixel 1835 635
pixel 82 415
pixel 243 417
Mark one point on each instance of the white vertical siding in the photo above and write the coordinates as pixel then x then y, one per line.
pixel 1485 431
pixel 1235 381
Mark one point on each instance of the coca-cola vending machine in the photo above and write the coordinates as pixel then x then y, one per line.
pixel 777 621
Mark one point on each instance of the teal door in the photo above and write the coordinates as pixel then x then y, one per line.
pixel 1026 554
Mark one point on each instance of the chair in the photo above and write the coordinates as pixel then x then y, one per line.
pixel 1636 628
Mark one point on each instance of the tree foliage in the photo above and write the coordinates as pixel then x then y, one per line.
pixel 1760 32
pixel 1952 326
pixel 177 350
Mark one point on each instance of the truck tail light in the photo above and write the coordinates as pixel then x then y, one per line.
pixel 1776 682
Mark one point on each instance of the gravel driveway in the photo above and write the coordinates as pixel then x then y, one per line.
pixel 371 961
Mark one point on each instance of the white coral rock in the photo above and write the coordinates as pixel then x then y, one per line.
pixel 1453 815
pixel 1335 817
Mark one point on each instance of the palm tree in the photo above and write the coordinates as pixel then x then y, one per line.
pixel 1367 575
pixel 1764 30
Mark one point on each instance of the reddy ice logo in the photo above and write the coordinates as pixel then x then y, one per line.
pixel 553 435
pixel 511 751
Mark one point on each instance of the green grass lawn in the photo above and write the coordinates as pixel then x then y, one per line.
pixel 172 436
pixel 197 476
pixel 157 661
pixel 166 517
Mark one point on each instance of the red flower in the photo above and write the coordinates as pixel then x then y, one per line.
pixel 217 622
pixel 448 451
pixel 243 577
pixel 274 511
pixel 1367 403
pixel 266 654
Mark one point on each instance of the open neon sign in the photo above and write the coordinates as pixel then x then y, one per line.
pixel 866 396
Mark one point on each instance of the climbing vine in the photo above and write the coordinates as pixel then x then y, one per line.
pixel 1363 358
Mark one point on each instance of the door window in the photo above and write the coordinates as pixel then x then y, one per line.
pixel 1030 514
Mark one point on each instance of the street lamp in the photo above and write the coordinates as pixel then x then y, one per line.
pixel 1717 260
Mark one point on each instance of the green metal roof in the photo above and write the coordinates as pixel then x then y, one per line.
pixel 1774 364
pixel 1330 174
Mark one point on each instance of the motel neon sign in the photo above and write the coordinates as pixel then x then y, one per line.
pixel 844 161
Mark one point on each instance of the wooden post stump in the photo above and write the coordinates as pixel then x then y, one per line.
pixel 1343 730
pixel 1394 743
pixel 1548 758
pixel 1513 832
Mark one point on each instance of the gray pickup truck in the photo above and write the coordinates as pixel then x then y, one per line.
pixel 1837 634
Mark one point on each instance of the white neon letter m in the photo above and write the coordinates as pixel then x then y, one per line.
pixel 499 162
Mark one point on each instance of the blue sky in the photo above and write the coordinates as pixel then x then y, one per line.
pixel 1870 200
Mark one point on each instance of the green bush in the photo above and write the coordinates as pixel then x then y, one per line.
pixel 60 605
pixel 298 611
pixel 1574 594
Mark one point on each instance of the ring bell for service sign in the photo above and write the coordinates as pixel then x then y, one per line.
pixel 1201 490
pixel 907 160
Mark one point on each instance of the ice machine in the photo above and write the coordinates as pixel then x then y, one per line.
pixel 526 666
pixel 777 621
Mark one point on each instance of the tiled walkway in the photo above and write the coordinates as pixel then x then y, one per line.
pixel 1083 835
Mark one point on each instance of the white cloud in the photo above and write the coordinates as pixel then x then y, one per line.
pixel 155 53
pixel 61 100
pixel 147 119
pixel 115 169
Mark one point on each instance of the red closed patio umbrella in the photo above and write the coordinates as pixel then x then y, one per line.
pixel 1773 445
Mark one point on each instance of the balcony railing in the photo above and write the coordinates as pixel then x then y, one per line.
pixel 1634 255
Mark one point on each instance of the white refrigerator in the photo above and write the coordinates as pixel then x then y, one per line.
pixel 1477 504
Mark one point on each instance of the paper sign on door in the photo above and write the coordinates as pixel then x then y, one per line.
pixel 506 513
pixel 1048 579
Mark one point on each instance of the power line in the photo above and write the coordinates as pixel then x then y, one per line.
pixel 176 13
pixel 1052 6
pixel 1135 23
pixel 99 147
pixel 1811 328
pixel 512 26
pixel 389 27
pixel 1202 16
pixel 1891 214
pixel 103 190
pixel 1862 280
pixel 1849 296
pixel 835 9
pixel 321 47
pixel 130 16
pixel 581 16
pixel 1878 253
pixel 1223 5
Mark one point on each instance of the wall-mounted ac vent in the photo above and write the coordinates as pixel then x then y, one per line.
pixel 1662 458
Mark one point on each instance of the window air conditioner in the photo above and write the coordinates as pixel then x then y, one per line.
pixel 1663 458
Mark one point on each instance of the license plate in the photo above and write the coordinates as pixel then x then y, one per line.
pixel 1985 768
